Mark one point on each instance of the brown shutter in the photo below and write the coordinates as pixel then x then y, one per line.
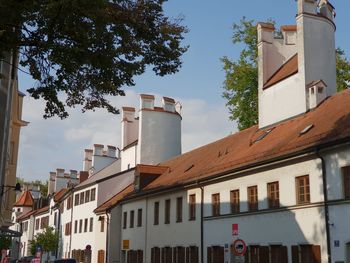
pixel 246 256
pixel 316 251
pixel 209 256
pixel 222 255
pixel 284 254
pixel 263 254
pixel 157 255
pixel 295 254
pixel 346 179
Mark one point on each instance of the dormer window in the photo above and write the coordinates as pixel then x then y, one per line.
pixel 317 93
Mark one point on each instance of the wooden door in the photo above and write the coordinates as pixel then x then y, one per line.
pixel 101 256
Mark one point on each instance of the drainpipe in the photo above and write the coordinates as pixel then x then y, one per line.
pixel 107 236
pixel 326 208
pixel 202 223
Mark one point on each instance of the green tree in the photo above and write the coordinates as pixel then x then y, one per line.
pixel 48 240
pixel 241 75
pixel 43 185
pixel 5 242
pixel 80 51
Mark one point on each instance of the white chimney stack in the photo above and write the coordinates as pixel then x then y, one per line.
pixel 168 104
pixel 146 101
pixel 111 151
pixel 98 149
pixel 87 163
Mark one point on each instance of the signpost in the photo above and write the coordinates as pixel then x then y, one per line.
pixel 239 247
pixel 234 229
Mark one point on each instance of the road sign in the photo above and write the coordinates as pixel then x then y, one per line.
pixel 234 229
pixel 239 247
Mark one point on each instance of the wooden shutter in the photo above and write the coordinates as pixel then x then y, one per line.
pixel 221 255
pixel 209 255
pixel 246 256
pixel 284 254
pixel 295 254
pixel 194 254
pixel 101 256
pixel 157 255
pixel 316 251
pixel 263 254
pixel 346 181
pixel 254 254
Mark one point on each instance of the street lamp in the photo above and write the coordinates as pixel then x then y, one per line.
pixel 17 188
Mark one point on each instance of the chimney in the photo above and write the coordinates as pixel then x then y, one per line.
pixel 307 6
pixel 146 102
pixel 111 151
pixel 83 175
pixel 87 163
pixel 98 149
pixel 129 126
pixel 327 9
pixel 60 172
pixel 73 174
pixel 168 104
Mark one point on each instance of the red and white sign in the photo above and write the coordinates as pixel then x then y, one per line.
pixel 239 247
pixel 235 229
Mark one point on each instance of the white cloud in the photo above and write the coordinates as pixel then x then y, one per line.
pixel 53 143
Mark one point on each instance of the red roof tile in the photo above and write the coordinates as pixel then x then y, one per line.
pixel 331 122
pixel 286 70
pixel 57 196
pixel 25 200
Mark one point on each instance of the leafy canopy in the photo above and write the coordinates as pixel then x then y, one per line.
pixel 241 75
pixel 88 49
pixel 48 240
pixel 5 242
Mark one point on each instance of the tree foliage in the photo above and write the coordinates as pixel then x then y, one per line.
pixel 241 75
pixel 43 185
pixel 5 242
pixel 48 240
pixel 88 49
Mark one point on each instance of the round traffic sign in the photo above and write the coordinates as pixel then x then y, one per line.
pixel 239 247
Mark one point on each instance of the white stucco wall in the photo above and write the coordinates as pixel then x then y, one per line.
pixel 185 233
pixel 281 101
pixel 129 157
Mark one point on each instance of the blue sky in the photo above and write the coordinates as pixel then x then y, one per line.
pixel 50 144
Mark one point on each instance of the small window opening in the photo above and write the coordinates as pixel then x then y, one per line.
pixel 262 136
pixel 320 89
pixel 312 91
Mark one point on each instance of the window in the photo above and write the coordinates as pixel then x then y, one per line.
pixel 167 212
pixel 67 230
pixel 76 200
pixel 69 202
pixel 156 213
pixel 215 200
pixel 273 194
pixel 44 222
pixel 179 209
pixel 303 189
pixel 132 215
pixel 234 200
pixel 55 219
pixel 93 193
pixel 125 219
pixel 102 226
pixel 86 225
pixel 91 224
pixel 139 217
pixel 75 226
pixel 82 198
pixel 25 226
pixel 192 207
pixel 346 181
pixel 80 225
pixel 87 196
pixel 253 198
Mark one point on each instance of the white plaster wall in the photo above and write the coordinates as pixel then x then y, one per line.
pixel 26 237
pixel 114 246
pixel 284 175
pixel 128 158
pixel 159 136
pixel 183 233
pixel 287 228
pixel 281 101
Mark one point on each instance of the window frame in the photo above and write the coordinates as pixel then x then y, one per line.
pixel 167 207
pixel 273 194
pixel 156 213
pixel 192 207
pixel 179 209
pixel 306 186
pixel 235 201
pixel 253 198
pixel 215 204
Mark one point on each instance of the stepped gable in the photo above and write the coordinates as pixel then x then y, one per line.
pixel 25 200
pixel 330 123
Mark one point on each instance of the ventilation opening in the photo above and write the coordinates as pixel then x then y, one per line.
pixel 189 168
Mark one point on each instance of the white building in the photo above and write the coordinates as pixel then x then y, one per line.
pixel 282 186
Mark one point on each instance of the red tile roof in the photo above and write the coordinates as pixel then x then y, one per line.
pixel 40 211
pixel 289 28
pixel 286 70
pixel 25 216
pixel 57 196
pixel 115 199
pixel 331 122
pixel 25 200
